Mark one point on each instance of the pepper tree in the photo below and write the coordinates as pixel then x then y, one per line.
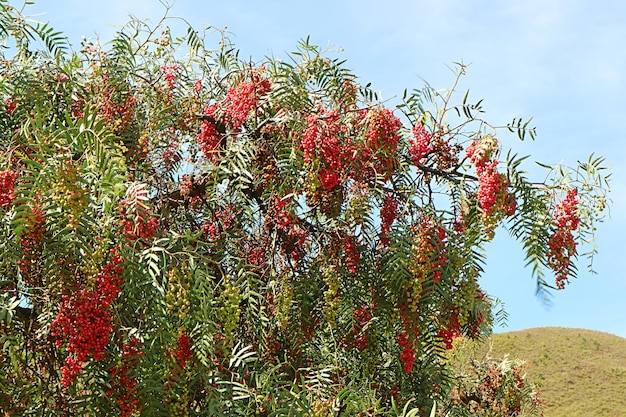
pixel 183 232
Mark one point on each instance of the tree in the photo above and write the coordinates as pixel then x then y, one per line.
pixel 187 233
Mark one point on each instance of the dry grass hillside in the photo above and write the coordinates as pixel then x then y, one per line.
pixel 581 373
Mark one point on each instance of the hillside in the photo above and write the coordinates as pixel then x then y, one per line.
pixel 581 373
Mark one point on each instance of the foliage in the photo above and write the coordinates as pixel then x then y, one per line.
pixel 187 233
pixel 486 386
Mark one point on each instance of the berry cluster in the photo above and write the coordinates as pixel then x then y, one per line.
pixel 197 86
pixel 221 220
pixel 332 300
pixel 407 356
pixel 429 253
pixel 353 256
pixel 140 228
pixel 169 71
pixel 177 295
pixel 233 112
pixel 294 241
pixel 9 105
pixel 70 195
pixel 375 155
pixel 493 192
pixel 255 256
pixel 359 334
pixel 70 370
pixel 383 130
pixel 381 140
pixel 481 152
pixel 322 143
pixel 229 313
pixel 562 246
pixel 244 97
pixel 124 385
pixel 388 213
pixel 115 107
pixel 183 351
pixel 349 94
pixel 7 187
pixel 293 236
pixel 428 259
pixel 209 139
pixel 421 144
pixel 493 195
pixel 451 330
pixel 329 178
pixel 84 319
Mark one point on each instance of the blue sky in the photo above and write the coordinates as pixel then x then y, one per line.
pixel 561 61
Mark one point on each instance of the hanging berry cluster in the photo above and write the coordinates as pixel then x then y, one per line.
pixel 231 113
pixel 221 221
pixel 183 351
pixel 7 187
pixel 450 328
pixel 242 98
pixel 427 261
pixel 123 383
pixel 388 213
pixel 562 246
pixel 352 254
pixel 324 146
pixel 169 72
pixel 9 105
pixel 177 388
pixel 381 142
pixel 209 138
pixel 70 195
pixel 493 187
pixel 281 220
pixel 421 144
pixel 359 334
pixel 407 356
pixel 83 323
pixel 115 104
